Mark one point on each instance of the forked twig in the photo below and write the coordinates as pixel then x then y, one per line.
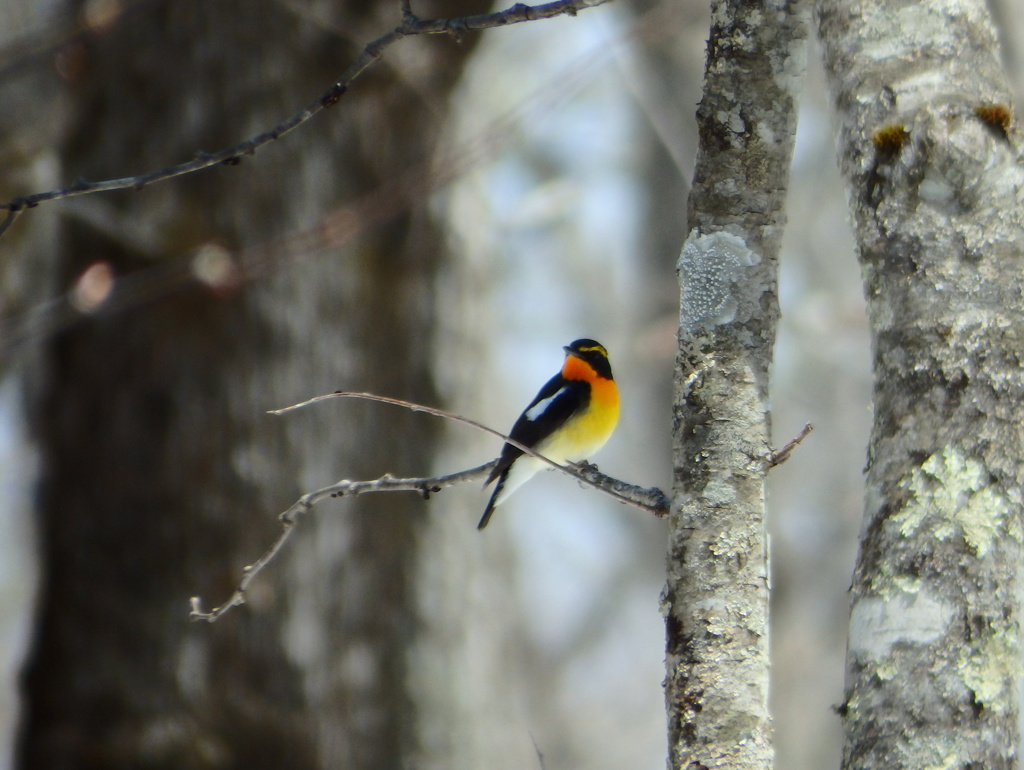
pixel 290 517
pixel 649 499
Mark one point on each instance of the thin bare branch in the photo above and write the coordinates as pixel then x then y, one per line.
pixel 649 499
pixel 343 488
pixel 411 26
pixel 620 490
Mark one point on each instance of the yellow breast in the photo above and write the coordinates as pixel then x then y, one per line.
pixel 586 433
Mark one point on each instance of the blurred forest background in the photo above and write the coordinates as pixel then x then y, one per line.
pixel 466 209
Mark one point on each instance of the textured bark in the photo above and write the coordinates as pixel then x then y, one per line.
pixel 933 661
pixel 717 591
pixel 162 473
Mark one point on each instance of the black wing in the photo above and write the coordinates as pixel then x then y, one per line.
pixel 565 398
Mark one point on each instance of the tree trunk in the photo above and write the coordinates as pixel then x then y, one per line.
pixel 927 147
pixel 717 591
pixel 161 472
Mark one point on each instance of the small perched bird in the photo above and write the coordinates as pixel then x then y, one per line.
pixel 570 418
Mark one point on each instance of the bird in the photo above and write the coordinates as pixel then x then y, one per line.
pixel 571 417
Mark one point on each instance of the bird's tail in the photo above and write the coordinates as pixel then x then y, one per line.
pixel 493 502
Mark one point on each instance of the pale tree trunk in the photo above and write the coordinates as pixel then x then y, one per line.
pixel 717 590
pixel 936 187
pixel 162 474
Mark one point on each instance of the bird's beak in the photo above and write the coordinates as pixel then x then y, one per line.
pixel 568 352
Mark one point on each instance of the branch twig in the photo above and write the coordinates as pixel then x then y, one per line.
pixel 649 499
pixel 779 456
pixel 410 26
pixel 290 517
pixel 626 493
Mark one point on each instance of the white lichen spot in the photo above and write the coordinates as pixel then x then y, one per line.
pixel 733 120
pixel 951 493
pixel 935 189
pixel 714 617
pixel 723 544
pixel 765 133
pixel 711 269
pixel 720 491
pixel 877 623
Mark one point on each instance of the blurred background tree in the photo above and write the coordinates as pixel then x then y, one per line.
pixel 159 470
